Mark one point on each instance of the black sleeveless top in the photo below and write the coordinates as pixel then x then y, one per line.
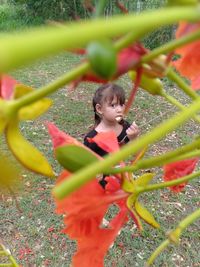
pixel 122 139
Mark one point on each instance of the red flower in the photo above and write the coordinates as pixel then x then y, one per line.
pixel 7 84
pixel 188 65
pixel 85 210
pixel 127 59
pixel 177 170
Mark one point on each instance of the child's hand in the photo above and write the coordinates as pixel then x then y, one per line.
pixel 133 131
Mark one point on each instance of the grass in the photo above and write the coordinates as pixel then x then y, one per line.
pixel 34 235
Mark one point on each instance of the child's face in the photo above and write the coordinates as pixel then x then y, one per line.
pixel 110 111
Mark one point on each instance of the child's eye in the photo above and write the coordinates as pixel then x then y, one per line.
pixel 113 105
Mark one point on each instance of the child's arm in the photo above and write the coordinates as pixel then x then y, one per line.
pixel 133 131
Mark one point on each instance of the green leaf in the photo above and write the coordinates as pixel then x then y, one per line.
pixel 73 157
pixel 10 173
pixel 5 114
pixel 128 186
pixel 21 90
pixel 34 110
pixel 25 152
pixel 145 214
pixel 131 206
pixel 144 179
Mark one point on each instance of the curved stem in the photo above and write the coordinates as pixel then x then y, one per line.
pixel 175 234
pixel 84 175
pixel 170 46
pixel 24 47
pixel 175 155
pixel 157 252
pixel 100 8
pixel 175 102
pixel 50 88
pixel 167 184
pixel 171 74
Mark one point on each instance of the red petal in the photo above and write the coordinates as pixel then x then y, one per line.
pixel 188 65
pixel 84 211
pixel 113 184
pixel 128 58
pixel 60 138
pixel 7 84
pixel 107 141
pixel 92 249
pixel 177 170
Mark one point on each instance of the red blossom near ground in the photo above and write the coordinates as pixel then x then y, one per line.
pixel 188 65
pixel 7 84
pixel 177 170
pixel 23 252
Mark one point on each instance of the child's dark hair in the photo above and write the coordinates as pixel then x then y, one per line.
pixel 107 92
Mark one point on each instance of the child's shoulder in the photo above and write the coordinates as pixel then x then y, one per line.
pixel 91 133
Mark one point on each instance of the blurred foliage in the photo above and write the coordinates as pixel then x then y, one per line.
pixel 16 14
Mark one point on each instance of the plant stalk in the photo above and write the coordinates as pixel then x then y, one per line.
pixel 172 75
pixel 27 46
pixel 152 187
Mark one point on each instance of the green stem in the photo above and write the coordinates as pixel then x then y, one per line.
pixel 173 156
pixel 177 232
pixel 189 219
pixel 100 8
pixel 11 258
pixel 84 175
pixel 171 46
pixel 24 47
pixel 171 74
pixel 175 102
pixel 156 253
pixel 50 88
pixel 152 187
pixel 190 155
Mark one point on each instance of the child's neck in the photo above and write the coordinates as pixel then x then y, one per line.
pixel 106 126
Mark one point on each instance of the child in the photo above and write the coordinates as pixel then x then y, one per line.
pixel 109 105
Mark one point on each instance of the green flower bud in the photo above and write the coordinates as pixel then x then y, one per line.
pixel 103 58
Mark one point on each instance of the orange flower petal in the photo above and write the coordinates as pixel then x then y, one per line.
pixel 177 170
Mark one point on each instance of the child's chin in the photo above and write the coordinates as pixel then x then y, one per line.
pixel 119 118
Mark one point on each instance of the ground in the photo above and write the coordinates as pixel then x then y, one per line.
pixel 32 231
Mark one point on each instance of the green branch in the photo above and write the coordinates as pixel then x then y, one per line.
pixel 99 9
pixel 174 235
pixel 172 75
pixel 50 88
pixel 176 103
pixel 25 47
pixel 84 175
pixel 174 182
pixel 175 155
pixel 7 253
pixel 171 46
